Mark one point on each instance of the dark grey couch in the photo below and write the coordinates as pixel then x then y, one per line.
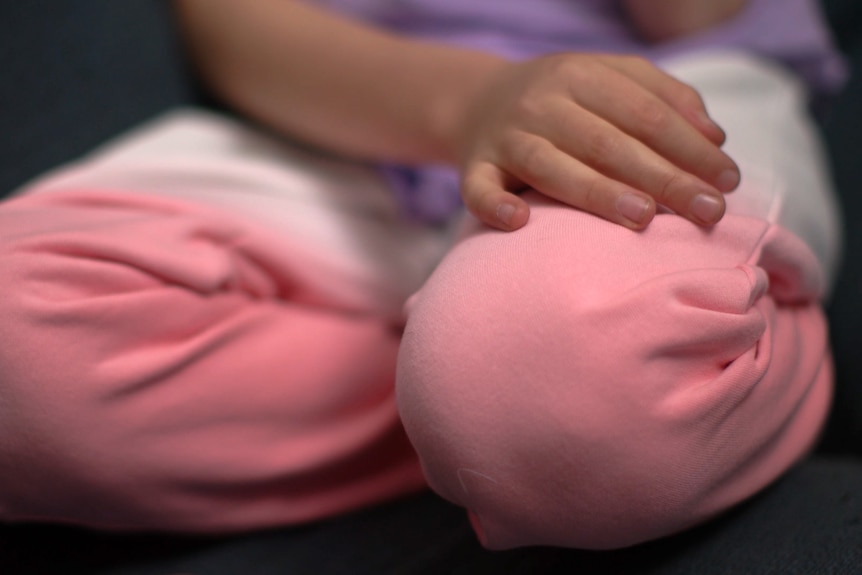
pixel 75 72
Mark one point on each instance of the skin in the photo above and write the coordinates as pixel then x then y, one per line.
pixel 662 20
pixel 611 135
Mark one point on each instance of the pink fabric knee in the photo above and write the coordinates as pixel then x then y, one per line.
pixel 578 384
pixel 163 367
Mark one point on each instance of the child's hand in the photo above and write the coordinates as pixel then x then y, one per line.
pixel 610 135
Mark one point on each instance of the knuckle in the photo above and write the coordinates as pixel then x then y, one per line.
pixel 478 199
pixel 603 147
pixel 573 69
pixel 527 108
pixel 565 63
pixel 477 188
pixel 591 194
pixel 669 188
pixel 636 62
pixel 653 118
pixel 510 141
pixel 532 157
pixel 470 187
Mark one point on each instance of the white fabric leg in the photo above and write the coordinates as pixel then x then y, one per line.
pixel 785 178
pixel 339 215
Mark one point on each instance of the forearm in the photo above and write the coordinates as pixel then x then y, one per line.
pixel 611 135
pixel 660 20
pixel 334 83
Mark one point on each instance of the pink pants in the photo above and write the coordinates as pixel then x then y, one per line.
pixel 186 345
pixel 162 368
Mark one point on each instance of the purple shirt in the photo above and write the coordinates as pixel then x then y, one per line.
pixel 789 31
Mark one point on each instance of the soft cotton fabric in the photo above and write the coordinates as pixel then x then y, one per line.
pixel 199 327
pixel 790 33
pixel 579 384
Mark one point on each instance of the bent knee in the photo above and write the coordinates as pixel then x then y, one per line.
pixel 151 379
pixel 583 385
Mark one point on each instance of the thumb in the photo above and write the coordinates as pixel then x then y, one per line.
pixel 483 189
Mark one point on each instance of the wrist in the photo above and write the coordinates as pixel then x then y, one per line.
pixel 452 112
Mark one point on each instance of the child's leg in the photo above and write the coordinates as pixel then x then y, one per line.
pixel 175 365
pixel 579 384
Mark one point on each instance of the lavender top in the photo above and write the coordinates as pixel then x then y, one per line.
pixel 790 31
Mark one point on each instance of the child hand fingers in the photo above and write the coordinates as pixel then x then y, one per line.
pixel 648 119
pixel 483 189
pixel 618 156
pixel 540 165
pixel 678 95
pixel 598 137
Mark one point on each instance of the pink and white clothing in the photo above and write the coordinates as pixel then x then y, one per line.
pixel 579 384
pixel 200 327
pixel 196 336
pixel 790 33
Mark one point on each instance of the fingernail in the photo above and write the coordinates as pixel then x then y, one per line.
pixel 505 213
pixel 727 180
pixel 632 207
pixel 706 208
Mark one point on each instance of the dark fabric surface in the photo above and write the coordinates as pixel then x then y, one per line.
pixel 810 523
pixel 845 18
pixel 76 72
pixel 843 135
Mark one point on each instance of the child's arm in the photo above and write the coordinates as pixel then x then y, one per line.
pixel 609 135
pixel 660 20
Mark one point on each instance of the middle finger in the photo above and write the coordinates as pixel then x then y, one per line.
pixel 617 155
